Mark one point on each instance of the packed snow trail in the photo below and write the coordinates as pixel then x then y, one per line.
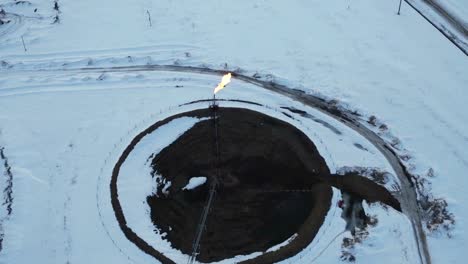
pixel 458 36
pixel 408 197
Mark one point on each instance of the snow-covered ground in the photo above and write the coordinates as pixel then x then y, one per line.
pixel 63 129
pixel 449 17
pixel 77 160
pixel 194 182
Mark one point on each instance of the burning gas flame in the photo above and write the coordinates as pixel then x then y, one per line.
pixel 224 81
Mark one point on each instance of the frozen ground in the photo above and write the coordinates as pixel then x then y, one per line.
pixel 63 129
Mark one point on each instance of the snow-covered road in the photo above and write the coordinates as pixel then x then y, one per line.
pixel 446 19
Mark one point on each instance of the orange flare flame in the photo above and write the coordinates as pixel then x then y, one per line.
pixel 224 81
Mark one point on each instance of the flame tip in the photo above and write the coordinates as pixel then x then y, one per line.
pixel 225 80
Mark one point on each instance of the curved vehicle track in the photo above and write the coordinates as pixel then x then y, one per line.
pixel 458 25
pixel 15 23
pixel 408 195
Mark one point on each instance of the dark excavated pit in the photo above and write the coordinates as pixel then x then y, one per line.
pixel 272 184
pixel 266 192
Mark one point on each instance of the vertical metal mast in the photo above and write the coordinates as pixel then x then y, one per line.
pixel 206 209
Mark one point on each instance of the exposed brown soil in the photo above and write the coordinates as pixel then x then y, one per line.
pixel 363 188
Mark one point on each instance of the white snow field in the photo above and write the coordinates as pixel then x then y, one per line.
pixel 85 87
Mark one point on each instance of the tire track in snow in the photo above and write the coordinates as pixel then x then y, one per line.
pixel 142 54
pixel 444 124
pixel 16 21
pixel 408 198
pixel 460 43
